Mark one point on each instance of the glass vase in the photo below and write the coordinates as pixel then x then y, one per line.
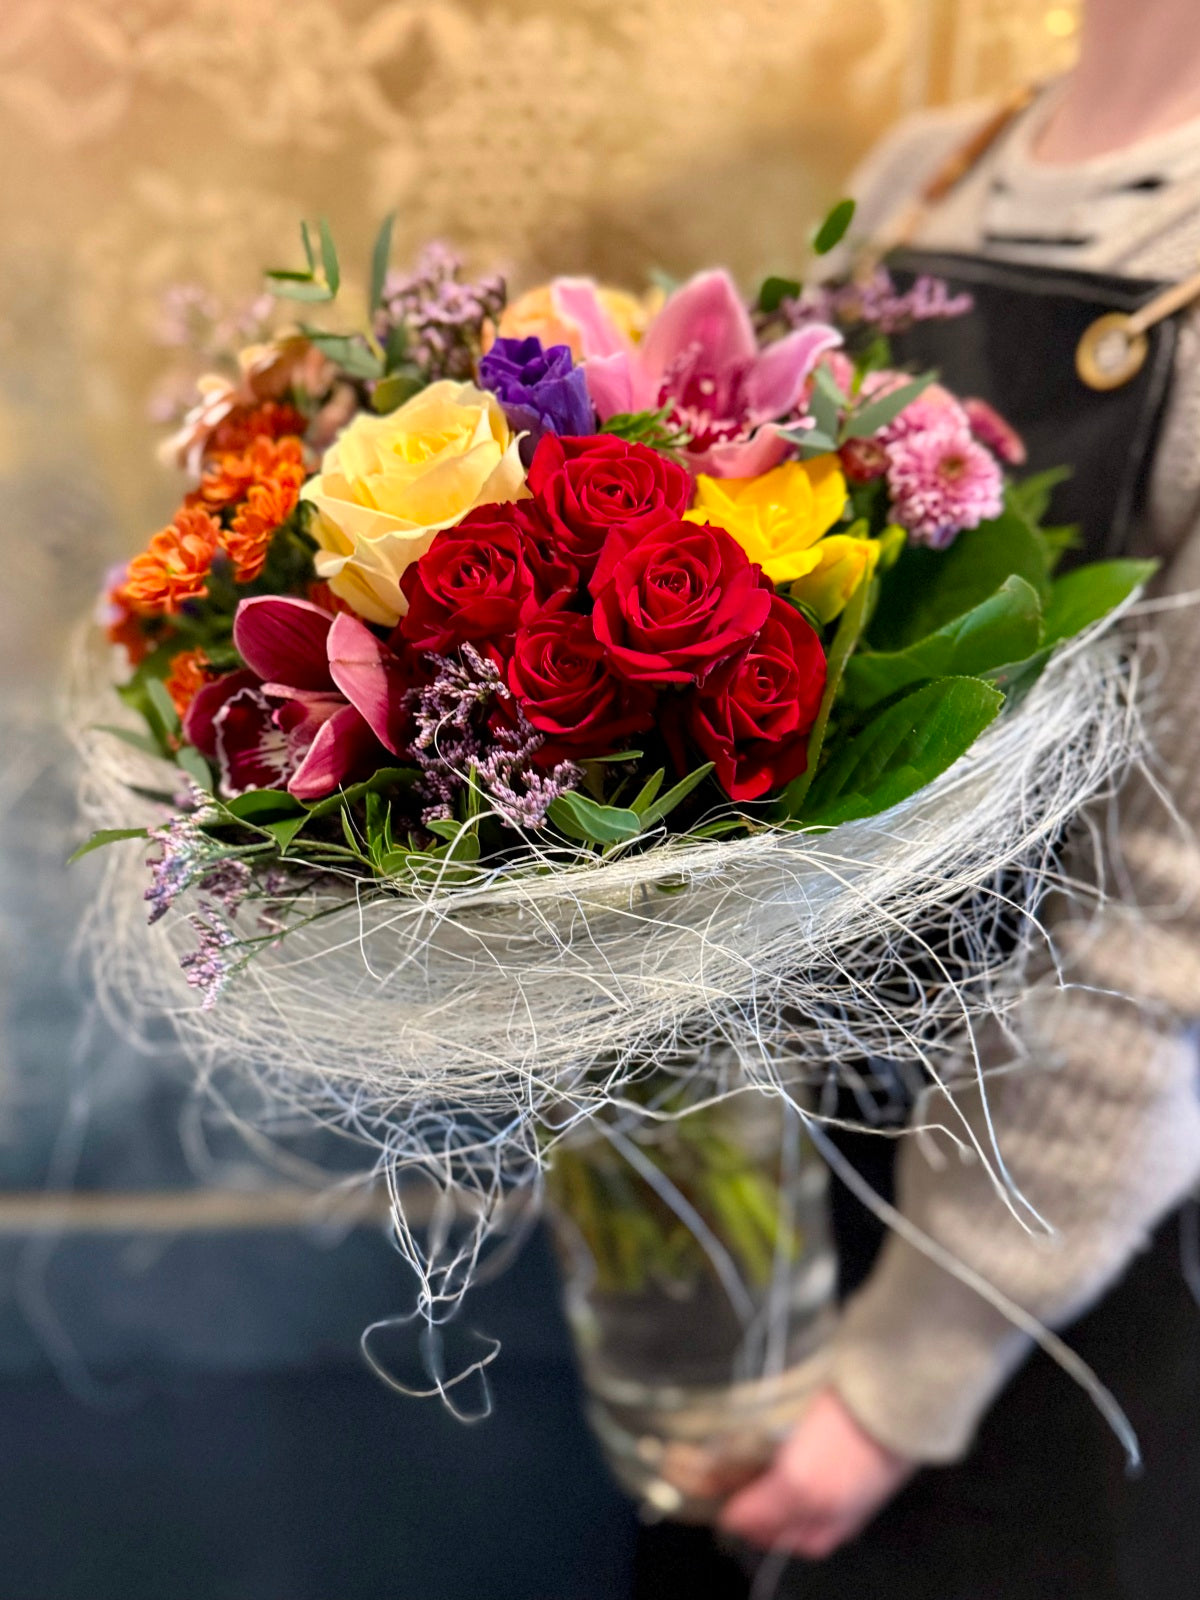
pixel 699 1280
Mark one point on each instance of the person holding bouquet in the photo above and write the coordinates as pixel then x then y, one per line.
pixel 1084 198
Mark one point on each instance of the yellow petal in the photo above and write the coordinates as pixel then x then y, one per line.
pixel 841 564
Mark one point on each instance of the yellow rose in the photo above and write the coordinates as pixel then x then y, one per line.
pixel 780 520
pixel 387 485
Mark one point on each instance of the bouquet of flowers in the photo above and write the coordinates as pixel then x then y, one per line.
pixel 565 713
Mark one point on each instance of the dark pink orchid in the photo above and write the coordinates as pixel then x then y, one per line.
pixel 321 700
pixel 700 356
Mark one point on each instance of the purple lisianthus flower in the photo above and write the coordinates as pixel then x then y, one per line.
pixel 541 390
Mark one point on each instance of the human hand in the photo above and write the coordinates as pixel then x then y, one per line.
pixel 827 1481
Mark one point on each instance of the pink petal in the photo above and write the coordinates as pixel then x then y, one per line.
pixel 198 725
pixel 283 640
pixel 576 300
pixel 252 751
pixel 708 312
pixel 619 383
pixel 777 378
pixel 343 748
pixel 743 458
pixel 370 677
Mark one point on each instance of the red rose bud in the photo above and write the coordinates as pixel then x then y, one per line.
pixel 753 715
pixel 477 580
pixel 863 460
pixel 586 487
pixel 677 602
pixel 562 681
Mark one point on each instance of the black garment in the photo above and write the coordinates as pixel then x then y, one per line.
pixel 1042 1509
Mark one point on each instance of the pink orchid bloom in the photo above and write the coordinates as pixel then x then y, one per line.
pixel 700 356
pixel 320 703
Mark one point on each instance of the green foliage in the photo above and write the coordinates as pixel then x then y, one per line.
pixel 1083 597
pixel 866 422
pixel 379 261
pixel 591 823
pixel 901 750
pixel 653 428
pixel 391 392
pixel 1005 627
pixel 349 351
pixel 102 837
pixel 834 228
pixel 775 291
pixel 928 588
pixel 1030 497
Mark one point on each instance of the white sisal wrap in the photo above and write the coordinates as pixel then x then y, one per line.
pixel 452 1026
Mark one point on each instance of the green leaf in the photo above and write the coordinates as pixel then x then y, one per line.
pixel 1006 627
pixel 329 259
pixel 257 805
pixel 196 767
pixel 348 350
pixel 156 689
pixel 394 390
pixel 1089 593
pixel 1030 497
pixel 653 428
pixel 139 741
pixel 591 823
pixel 825 408
pixel 833 230
pixel 284 831
pixel 928 588
pixel 105 836
pixel 298 288
pixel 845 642
pixel 379 260
pixel 775 291
pixel 665 804
pixel 867 421
pixel 903 749
pixel 811 440
pixel 309 253
pixel 648 791
pixel 378 783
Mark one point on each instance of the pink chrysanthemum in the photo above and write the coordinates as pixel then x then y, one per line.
pixel 942 482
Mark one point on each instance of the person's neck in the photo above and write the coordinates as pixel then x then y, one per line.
pixel 1138 75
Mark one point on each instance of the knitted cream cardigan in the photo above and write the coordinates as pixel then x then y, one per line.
pixel 1101 1130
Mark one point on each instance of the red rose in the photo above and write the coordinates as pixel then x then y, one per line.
pixel 753 715
pixel 588 486
pixel 678 602
pixel 561 679
pixel 477 579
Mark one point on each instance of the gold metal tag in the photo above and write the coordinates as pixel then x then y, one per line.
pixel 1112 351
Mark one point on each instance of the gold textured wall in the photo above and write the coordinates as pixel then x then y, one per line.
pixel 147 141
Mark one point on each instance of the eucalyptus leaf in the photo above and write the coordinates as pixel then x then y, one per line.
pixel 1005 627
pixel 867 420
pixel 592 823
pixel 904 748
pixel 833 230
pixel 102 837
pixel 329 258
pixel 825 409
pixel 196 767
pixel 161 700
pixel 349 352
pixel 299 289
pixel 394 390
pixel 775 291
pixel 665 804
pixel 379 260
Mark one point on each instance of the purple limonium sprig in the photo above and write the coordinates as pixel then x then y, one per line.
pixel 877 303
pixel 208 967
pixel 456 739
pixel 441 316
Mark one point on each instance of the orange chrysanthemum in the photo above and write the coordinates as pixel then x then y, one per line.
pixel 190 671
pixel 175 567
pixel 235 433
pixel 264 460
pixel 248 538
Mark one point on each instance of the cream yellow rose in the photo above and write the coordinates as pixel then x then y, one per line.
pixel 389 484
pixel 576 312
pixel 782 521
